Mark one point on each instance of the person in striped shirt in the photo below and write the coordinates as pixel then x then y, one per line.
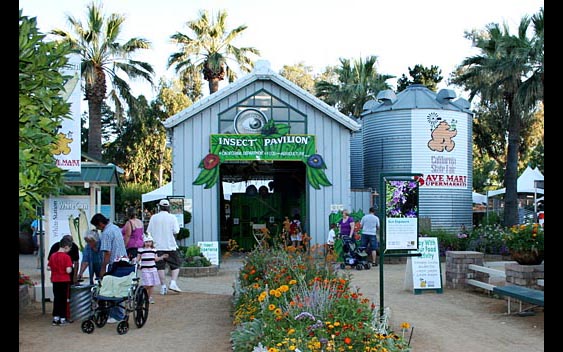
pixel 146 259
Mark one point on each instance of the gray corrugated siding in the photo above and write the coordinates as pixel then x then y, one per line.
pixel 361 200
pixel 387 149
pixel 357 160
pixel 191 143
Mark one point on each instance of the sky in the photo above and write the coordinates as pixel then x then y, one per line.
pixel 401 33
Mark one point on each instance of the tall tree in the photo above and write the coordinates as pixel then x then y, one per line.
pixel 358 82
pixel 105 58
pixel 420 74
pixel 300 74
pixel 41 110
pixel 210 49
pixel 501 74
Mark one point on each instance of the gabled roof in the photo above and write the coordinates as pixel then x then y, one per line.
pixel 103 175
pixel 525 182
pixel 262 71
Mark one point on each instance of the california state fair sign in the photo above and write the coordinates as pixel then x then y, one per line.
pixel 440 148
pixel 258 147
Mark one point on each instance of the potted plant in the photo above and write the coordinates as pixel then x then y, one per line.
pixel 526 243
pixel 194 258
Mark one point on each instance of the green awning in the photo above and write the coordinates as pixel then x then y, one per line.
pixel 103 175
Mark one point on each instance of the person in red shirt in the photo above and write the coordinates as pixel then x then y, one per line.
pixel 60 266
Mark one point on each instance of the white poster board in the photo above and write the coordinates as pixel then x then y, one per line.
pixel 210 250
pixel 426 270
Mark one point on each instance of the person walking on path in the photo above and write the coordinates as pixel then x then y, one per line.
pixel 370 228
pixel 146 260
pixel 60 265
pixel 113 248
pixel 163 227
pixel 133 232
pixel 91 256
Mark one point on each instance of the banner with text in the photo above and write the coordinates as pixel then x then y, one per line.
pixel 257 147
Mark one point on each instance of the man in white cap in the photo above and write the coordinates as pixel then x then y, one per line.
pixel 163 227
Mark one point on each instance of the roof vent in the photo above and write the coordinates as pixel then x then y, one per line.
pixel 370 105
pixel 387 96
pixel 445 95
pixel 462 103
pixel 262 67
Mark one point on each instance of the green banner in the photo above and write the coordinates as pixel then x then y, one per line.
pixel 257 147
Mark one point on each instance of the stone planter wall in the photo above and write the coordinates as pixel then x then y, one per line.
pixel 457 272
pixel 199 271
pixel 524 275
pixel 25 297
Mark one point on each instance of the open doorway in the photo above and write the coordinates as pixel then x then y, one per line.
pixel 259 192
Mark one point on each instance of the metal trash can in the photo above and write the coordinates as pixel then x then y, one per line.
pixel 80 301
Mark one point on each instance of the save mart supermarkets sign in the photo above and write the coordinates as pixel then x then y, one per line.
pixel 258 147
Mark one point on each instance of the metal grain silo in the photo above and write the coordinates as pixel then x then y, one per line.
pixel 420 131
pixel 356 159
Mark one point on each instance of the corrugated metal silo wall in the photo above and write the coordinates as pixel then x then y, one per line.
pixel 357 160
pixel 387 149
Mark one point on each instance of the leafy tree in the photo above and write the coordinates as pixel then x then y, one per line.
pixel 41 110
pixel 301 75
pixel 358 82
pixel 505 74
pixel 104 59
pixel 430 77
pixel 210 49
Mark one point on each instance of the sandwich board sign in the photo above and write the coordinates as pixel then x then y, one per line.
pixel 426 269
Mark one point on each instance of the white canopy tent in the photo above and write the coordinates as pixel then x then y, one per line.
pixel 159 193
pixel 479 198
pixel 525 183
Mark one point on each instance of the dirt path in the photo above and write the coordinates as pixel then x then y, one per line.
pixel 456 320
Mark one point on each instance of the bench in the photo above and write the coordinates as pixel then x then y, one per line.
pixel 520 293
pixel 495 276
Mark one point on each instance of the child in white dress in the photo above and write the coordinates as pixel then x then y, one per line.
pixel 146 259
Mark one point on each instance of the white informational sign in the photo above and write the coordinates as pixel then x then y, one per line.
pixel 60 213
pixel 68 153
pixel 210 250
pixel 401 233
pixel 426 270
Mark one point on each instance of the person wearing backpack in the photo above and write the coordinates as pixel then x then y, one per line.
pixel 295 231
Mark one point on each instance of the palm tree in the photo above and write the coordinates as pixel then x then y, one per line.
pixel 103 58
pixel 502 74
pixel 358 82
pixel 211 49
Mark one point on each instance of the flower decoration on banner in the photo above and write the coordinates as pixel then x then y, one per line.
pixel 315 174
pixel 210 173
pixel 402 199
pixel 315 165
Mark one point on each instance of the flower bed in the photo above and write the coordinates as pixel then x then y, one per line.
pixel 287 301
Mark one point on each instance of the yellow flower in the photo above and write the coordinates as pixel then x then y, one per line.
pixel 405 325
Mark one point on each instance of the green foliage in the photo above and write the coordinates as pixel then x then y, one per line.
pixel 194 258
pixel 300 74
pixel 41 110
pixel 130 195
pixel 525 237
pixel 183 234
pixel 430 77
pixel 187 217
pixel 358 82
pixel 287 301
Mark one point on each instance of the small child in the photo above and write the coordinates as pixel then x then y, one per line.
pixel 330 239
pixel 60 266
pixel 146 259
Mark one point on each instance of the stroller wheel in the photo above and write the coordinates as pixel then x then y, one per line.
pixel 359 267
pixel 367 266
pixel 122 327
pixel 87 326
pixel 342 266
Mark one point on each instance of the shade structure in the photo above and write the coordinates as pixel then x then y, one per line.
pixel 159 193
pixel 525 183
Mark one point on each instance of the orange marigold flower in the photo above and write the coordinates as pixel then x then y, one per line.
pixel 347 340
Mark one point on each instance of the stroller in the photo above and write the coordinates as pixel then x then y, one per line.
pixel 120 287
pixel 354 255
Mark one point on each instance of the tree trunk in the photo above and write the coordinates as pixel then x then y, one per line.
pixel 213 85
pixel 511 174
pixel 95 94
